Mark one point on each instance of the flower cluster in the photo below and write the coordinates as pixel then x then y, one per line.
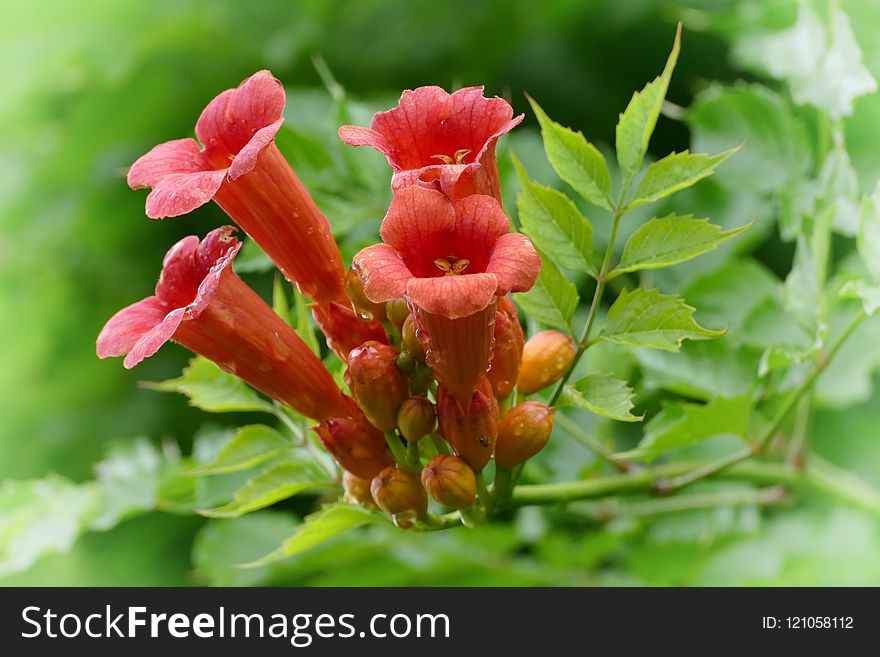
pixel 423 321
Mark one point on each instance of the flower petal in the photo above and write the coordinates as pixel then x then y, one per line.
pixel 515 263
pixel 182 193
pixel 230 120
pixel 172 157
pixel 179 281
pixel 419 225
pixel 129 325
pixel 218 267
pixel 247 157
pixel 479 223
pixel 151 341
pixel 382 272
pixel 354 135
pixel 453 296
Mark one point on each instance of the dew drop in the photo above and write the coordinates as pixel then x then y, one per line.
pixel 404 520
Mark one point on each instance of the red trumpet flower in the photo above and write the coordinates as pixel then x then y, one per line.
pixel 203 305
pixel 440 139
pixel 239 167
pixel 450 259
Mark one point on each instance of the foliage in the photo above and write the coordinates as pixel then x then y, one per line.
pixel 735 332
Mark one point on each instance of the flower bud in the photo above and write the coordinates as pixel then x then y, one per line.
pixel 523 433
pixel 399 493
pixel 357 490
pixel 507 349
pixel 547 356
pixel 355 444
pixel 450 481
pixel 365 308
pixel 416 418
pixel 376 383
pixel 470 430
pixel 410 342
pixel 397 312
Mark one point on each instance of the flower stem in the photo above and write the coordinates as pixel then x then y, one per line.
pixel 771 427
pixel 396 447
pixel 483 493
pixel 583 340
pixel 593 444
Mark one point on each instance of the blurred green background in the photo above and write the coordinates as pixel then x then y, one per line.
pixel 90 86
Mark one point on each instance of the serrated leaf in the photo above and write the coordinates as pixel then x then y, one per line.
pixel 647 318
pixel 319 527
pixel 554 224
pixel 601 394
pixel 576 160
pixel 211 389
pixel 636 124
pixel 868 238
pixel 553 299
pixel 250 446
pixel 777 150
pixel 275 484
pixel 675 172
pixel 128 480
pixel 868 294
pixel 680 425
pixel 41 516
pixel 669 240
pixel 822 64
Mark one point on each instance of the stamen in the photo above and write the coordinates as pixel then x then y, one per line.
pixel 444 158
pixel 460 154
pixel 452 266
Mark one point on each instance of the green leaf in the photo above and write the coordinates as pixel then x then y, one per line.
pixel 702 370
pixel 211 389
pixel 252 259
pixel 553 299
pixel 275 484
pixel 868 238
pixel 576 160
pixel 675 172
pixel 601 394
pixel 802 289
pixel 776 148
pixel 319 527
pixel 868 294
pixel 822 64
pixel 250 446
pixel 554 224
pixel 127 480
pixel 40 516
pixel 647 318
pixel 636 124
pixel 280 303
pixel 680 425
pixel 668 240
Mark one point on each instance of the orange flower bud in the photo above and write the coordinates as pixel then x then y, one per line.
pixel 410 341
pixel 399 493
pixel 470 430
pixel 357 490
pixel 355 444
pixel 416 418
pixel 397 312
pixel 507 350
pixel 547 356
pixel 523 433
pixel 376 383
pixel 365 308
pixel 450 481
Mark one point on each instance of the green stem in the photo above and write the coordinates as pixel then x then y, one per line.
pixel 601 280
pixel 412 454
pixel 643 481
pixel 841 484
pixel 396 447
pixel 483 493
pixel 440 445
pixel 432 523
pixel 591 443
pixel 799 432
pixel 606 510
pixel 771 427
